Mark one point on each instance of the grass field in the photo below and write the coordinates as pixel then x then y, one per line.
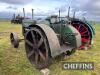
pixel 14 61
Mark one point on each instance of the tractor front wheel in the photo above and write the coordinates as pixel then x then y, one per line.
pixel 14 40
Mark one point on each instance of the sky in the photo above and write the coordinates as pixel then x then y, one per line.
pixel 90 9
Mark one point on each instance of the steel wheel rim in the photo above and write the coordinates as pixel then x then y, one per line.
pixel 38 53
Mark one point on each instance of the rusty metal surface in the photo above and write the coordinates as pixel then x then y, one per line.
pixel 52 39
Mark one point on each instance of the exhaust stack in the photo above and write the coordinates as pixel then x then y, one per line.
pixel 74 14
pixel 32 13
pixel 68 12
pixel 24 12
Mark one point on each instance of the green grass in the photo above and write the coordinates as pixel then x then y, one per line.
pixel 14 61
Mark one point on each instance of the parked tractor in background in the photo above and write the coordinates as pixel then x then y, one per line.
pixel 17 19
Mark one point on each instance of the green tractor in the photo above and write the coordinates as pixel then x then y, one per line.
pixel 48 38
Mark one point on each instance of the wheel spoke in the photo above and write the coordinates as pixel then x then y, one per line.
pixel 30 53
pixel 36 57
pixel 75 25
pixel 83 32
pixel 41 55
pixel 29 43
pixel 33 37
pixel 79 27
pixel 40 42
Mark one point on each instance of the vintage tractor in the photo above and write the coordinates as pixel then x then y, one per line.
pixel 46 39
pixel 17 19
pixel 50 37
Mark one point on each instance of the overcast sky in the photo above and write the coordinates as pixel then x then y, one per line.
pixel 84 8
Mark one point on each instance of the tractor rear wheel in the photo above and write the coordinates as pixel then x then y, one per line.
pixel 37 48
pixel 85 32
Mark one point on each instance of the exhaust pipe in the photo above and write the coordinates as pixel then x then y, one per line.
pixel 74 14
pixel 68 12
pixel 32 13
pixel 24 12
